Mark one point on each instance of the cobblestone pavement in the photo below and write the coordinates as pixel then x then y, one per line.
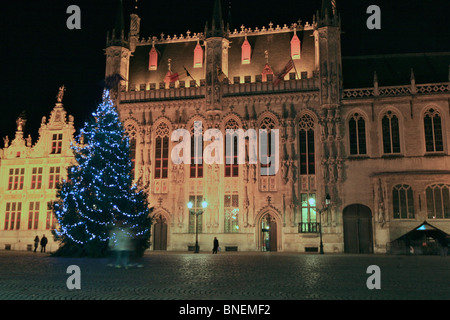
pixel 226 276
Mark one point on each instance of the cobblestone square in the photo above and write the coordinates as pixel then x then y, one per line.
pixel 226 276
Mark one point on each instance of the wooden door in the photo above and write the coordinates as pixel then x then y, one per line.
pixel 160 234
pixel 358 236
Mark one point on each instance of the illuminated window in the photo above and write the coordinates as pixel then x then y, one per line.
pixel 162 151
pixel 391 135
pixel 246 52
pixel 231 143
pixel 153 59
pixel 53 177
pixel 308 213
pixel 197 206
pixel 403 202
pixel 357 131
pixel 295 47
pixel 12 215
pixel 306 138
pixel 433 131
pixel 231 206
pixel 56 143
pixel 51 220
pixel 198 56
pixel 33 215
pixel 36 178
pixel 267 169
pixel 196 167
pixel 16 178
pixel 438 201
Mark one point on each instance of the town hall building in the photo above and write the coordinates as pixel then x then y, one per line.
pixel 359 163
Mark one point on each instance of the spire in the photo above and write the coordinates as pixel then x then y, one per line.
pixel 328 12
pixel 119 25
pixel 118 37
pixel 230 23
pixel 217 24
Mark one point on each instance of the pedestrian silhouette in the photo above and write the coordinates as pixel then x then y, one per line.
pixel 121 244
pixel 215 245
pixel 43 243
pixel 36 243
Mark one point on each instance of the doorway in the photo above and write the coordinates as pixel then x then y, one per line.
pixel 358 237
pixel 160 234
pixel 268 233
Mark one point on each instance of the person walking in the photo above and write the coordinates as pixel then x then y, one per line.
pixel 215 245
pixel 36 243
pixel 43 243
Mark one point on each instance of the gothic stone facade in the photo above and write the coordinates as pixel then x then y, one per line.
pixel 380 153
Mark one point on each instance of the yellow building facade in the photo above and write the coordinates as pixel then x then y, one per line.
pixel 29 173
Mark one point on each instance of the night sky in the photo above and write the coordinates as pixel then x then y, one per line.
pixel 39 53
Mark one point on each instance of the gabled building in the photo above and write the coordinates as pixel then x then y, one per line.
pixel 29 173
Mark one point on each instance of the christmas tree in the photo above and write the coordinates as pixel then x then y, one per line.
pixel 98 194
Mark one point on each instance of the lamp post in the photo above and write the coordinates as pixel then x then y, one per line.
pixel 327 203
pixel 196 213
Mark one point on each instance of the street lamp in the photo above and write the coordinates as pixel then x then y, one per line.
pixel 327 203
pixel 196 213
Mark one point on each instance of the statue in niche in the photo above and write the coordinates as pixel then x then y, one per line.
pixel 292 171
pixel 340 166
pixel 174 172
pixel 331 171
pixel 284 171
pixel 324 170
pixel 381 205
pixel 180 173
pixel 253 173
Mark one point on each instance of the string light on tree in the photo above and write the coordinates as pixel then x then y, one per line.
pixel 99 192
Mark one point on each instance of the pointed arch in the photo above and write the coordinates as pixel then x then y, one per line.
pixel 269 225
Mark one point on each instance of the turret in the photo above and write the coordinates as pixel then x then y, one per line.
pixel 217 44
pixel 117 54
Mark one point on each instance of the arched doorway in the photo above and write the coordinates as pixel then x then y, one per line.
pixel 268 233
pixel 160 233
pixel 358 237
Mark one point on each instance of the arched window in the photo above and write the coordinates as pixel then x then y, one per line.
pixel 391 133
pixel 162 151
pixel 306 138
pixel 433 131
pixel 267 169
pixel 196 168
pixel 231 144
pixel 438 201
pixel 403 201
pixel 357 133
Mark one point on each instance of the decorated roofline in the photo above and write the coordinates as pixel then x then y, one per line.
pixel 189 36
